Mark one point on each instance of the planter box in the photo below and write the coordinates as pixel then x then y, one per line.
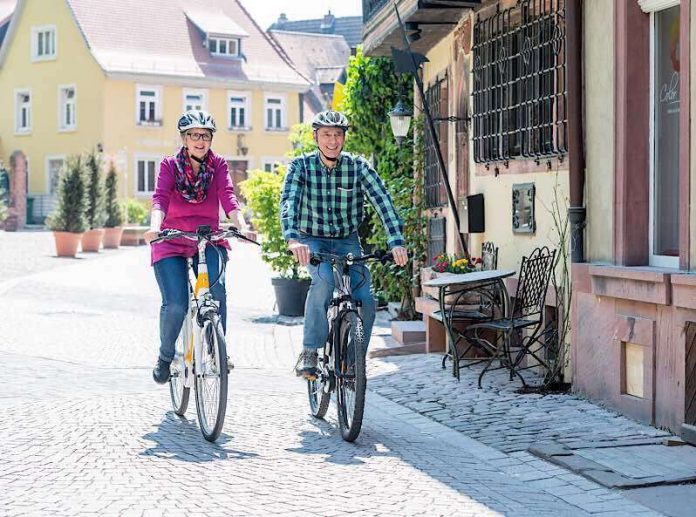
pixel 427 273
pixel 133 235
pixel 112 237
pixel 92 239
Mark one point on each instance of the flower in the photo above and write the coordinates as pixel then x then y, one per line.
pixel 453 264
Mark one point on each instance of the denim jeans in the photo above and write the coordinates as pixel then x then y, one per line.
pixel 172 277
pixel 316 326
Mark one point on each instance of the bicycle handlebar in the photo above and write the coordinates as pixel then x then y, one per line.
pixel 202 233
pixel 317 258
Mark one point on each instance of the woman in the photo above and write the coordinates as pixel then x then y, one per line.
pixel 191 187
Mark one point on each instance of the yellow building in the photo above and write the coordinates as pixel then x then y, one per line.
pixel 117 74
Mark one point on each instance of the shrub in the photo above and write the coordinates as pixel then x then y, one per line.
pixel 114 213
pixel 70 212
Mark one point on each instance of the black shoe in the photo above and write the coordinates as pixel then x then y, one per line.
pixel 307 364
pixel 161 371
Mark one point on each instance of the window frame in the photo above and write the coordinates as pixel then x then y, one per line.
pixel 663 261
pixel 283 111
pixel 157 122
pixel 26 130
pixel 39 29
pixel 237 43
pixel 271 161
pixel 200 92
pixel 156 159
pixel 49 159
pixel 247 110
pixel 62 103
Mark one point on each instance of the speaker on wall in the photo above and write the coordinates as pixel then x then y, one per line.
pixel 472 215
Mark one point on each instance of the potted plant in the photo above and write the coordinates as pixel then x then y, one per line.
pixel 445 264
pixel 262 191
pixel 92 239
pixel 114 215
pixel 68 220
pixel 138 219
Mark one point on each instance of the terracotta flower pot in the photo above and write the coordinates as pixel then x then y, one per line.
pixel 67 243
pixel 112 237
pixel 92 239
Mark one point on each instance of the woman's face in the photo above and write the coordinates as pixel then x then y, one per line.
pixel 197 141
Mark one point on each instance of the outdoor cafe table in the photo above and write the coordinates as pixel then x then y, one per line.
pixel 470 282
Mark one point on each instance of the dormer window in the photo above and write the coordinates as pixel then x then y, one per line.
pixel 224 46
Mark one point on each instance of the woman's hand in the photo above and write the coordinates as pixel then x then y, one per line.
pixel 150 235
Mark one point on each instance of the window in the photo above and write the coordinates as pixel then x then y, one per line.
pixel 275 113
pixel 23 111
pixel 519 93
pixel 148 106
pixel 436 237
pixel 223 46
pixel 435 193
pixel 238 109
pixel 195 100
pixel 146 175
pixel 43 43
pixel 664 177
pixel 269 164
pixel 67 103
pixel 54 164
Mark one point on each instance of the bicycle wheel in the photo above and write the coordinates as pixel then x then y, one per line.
pixel 318 391
pixel 351 381
pixel 178 392
pixel 211 381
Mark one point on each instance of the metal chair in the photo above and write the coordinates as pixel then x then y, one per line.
pixel 527 315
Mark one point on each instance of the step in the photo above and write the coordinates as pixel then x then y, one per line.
pixel 408 332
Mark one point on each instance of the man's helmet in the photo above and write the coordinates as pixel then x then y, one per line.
pixel 330 119
pixel 196 119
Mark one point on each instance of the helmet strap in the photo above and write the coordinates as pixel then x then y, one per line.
pixel 199 160
pixel 326 158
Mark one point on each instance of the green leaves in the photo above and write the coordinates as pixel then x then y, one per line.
pixel 95 213
pixel 114 214
pixel 69 214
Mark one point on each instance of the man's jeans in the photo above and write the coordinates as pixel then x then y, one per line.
pixel 172 277
pixel 316 326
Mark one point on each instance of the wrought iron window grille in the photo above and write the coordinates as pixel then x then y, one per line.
pixel 520 83
pixel 436 96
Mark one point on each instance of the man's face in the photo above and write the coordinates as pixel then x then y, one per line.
pixel 330 141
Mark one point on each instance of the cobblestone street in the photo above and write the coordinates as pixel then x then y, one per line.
pixel 85 431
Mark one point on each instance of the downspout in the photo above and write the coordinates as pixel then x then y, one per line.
pixel 576 148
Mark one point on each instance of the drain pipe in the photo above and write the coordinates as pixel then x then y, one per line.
pixel 576 149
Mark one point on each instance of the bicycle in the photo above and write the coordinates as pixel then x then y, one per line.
pixel 200 358
pixel 341 362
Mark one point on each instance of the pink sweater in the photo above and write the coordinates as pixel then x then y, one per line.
pixel 182 215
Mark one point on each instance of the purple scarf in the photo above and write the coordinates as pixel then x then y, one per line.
pixel 193 187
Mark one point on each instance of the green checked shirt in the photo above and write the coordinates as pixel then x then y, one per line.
pixel 329 202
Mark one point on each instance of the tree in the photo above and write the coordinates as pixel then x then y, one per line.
pixel 69 214
pixel 114 213
pixel 371 90
pixel 95 190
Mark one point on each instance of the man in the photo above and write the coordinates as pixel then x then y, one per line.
pixel 321 208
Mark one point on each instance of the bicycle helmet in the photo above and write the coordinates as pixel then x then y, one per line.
pixel 196 119
pixel 330 119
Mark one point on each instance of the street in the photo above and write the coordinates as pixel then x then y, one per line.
pixel 85 430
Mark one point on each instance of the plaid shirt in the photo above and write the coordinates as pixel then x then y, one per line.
pixel 329 202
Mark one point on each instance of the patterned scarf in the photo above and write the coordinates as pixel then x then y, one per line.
pixel 193 187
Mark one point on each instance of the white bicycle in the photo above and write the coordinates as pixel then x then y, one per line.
pixel 200 358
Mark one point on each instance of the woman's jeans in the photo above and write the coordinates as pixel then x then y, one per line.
pixel 316 326
pixel 172 278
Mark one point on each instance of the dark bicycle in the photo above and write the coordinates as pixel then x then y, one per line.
pixel 341 363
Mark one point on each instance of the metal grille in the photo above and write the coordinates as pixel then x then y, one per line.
pixel 370 7
pixel 520 105
pixel 436 237
pixel 436 96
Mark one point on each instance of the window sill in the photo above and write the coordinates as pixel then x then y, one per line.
pixel 522 166
pixel 67 129
pixel 239 129
pixel 638 283
pixel 144 194
pixel 23 132
pixel 148 124
pixel 276 129
pixel 37 59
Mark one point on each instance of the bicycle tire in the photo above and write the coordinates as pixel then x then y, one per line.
pixel 319 396
pixel 350 392
pixel 177 391
pixel 211 413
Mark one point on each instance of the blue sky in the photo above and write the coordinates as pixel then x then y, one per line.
pixel 265 12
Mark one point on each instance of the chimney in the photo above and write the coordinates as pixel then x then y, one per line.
pixel 327 24
pixel 282 19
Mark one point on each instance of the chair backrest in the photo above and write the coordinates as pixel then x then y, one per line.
pixel 489 256
pixel 535 274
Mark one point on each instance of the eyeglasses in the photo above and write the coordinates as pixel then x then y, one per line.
pixel 206 137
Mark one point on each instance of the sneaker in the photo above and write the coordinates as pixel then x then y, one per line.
pixel 307 364
pixel 161 371
pixel 230 364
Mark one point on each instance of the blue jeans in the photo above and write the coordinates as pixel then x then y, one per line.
pixel 172 277
pixel 316 326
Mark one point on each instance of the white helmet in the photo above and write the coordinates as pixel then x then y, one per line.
pixel 330 119
pixel 196 119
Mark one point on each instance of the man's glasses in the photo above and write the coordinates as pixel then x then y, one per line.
pixel 206 137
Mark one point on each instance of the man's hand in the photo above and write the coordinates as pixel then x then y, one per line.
pixel 150 235
pixel 300 251
pixel 400 255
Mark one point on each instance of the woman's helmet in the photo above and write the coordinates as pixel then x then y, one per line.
pixel 196 119
pixel 330 119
